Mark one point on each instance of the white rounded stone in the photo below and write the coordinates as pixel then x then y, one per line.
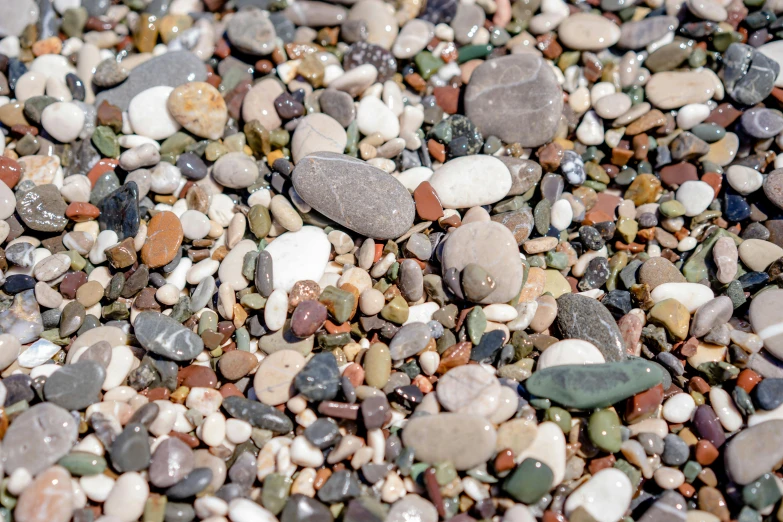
pixel 470 181
pixel 569 351
pixel 679 408
pixel 149 115
pixel 63 121
pixel 605 497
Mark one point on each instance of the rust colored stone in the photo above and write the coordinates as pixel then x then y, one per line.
pixel 724 115
pixel 428 206
pixel 678 173
pixel 748 379
pixel 103 166
pixel 651 120
pixel 504 461
pixel 164 237
pixel 456 355
pixel 158 394
pixel 79 211
pixel 550 156
pixel 437 150
pixel 714 180
pixel 644 404
pixel 447 98
pixel 706 452
pixel 10 171
pixel 597 465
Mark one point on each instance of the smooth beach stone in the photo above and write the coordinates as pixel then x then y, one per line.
pixel 594 385
pixel 659 270
pixel 380 207
pixel 235 170
pixel 758 254
pixel 149 115
pixel 38 438
pixel 274 379
pixel 48 498
pixel 766 318
pixel 23 318
pixel 199 108
pixel 170 69
pixel 691 295
pixel 43 209
pixel 170 463
pixel 754 451
pixel 744 180
pixel 120 211
pixel 525 174
pixel 491 246
pixel 511 88
pixel 319 380
pixel 712 314
pixel 569 351
pixel 673 89
pixel 469 389
pixel 382 26
pixel 63 121
pixel 299 256
pixel 529 482
pixel 130 451
pixel 75 386
pixel 605 497
pixel 315 14
pixel 444 437
pixel 588 32
pixel 641 33
pixel 411 508
pixel 164 238
pixel 163 335
pixel 257 414
pixel 252 32
pixel 16 16
pixel 259 103
pixel 317 133
pixel 471 181
pixel 409 340
pixel 762 123
pixel 601 331
pixel 413 38
pixel 748 75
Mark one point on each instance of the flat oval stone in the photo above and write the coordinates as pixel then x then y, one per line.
pixel 606 496
pixel 491 246
pixel 43 209
pixel 592 386
pixel 259 103
pixel 199 108
pixel 299 256
pixel 131 449
pixel 766 317
pixel 171 462
pixel 164 237
pixel 379 206
pixel 641 33
pixel 469 389
pixel 409 340
pixel 75 386
pixel 317 133
pixel 513 88
pixel 163 335
pixel 274 379
pixel 588 32
pixel 471 181
pixel 762 123
pixel 444 437
pixel 38 438
pixel 235 170
pixel 149 115
pixel 690 295
pixel 252 32
pixel 257 414
pixel 673 89
pixel 48 498
pixel 754 451
pixel 601 330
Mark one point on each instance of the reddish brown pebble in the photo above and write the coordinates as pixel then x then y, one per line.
pixel 197 377
pixel 748 379
pixel 308 318
pixel 428 206
pixel 706 452
pixel 10 171
pixel 164 237
pixel 645 404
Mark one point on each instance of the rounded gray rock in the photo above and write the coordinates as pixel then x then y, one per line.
pixel 75 386
pixel 511 89
pixel 170 463
pixel 163 335
pixel 356 195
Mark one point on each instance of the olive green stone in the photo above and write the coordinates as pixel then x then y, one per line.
pixel 427 64
pixel 396 310
pixel 257 137
pixel 476 324
pixel 556 260
pixel 717 372
pixel 253 301
pixel 82 463
pixel 595 385
pixel 339 303
pixel 106 142
pixel 673 316
pixel 275 492
pixel 445 473
pixel 634 475
pixel 115 311
pixel 207 321
pixel 522 344
pixel 596 172
pixel 529 482
pixel 672 208
pixel 627 228
pixel 176 144
pixel 155 508
pixel 476 282
pixel 470 52
pixel 215 150
pixel 73 21
pixel 27 145
pixel 6 499
pixel 560 417
pixel 541 216
pixel 260 220
pixel 604 430
pixel 377 365
pixel 762 492
pixel 695 268
pixel 279 138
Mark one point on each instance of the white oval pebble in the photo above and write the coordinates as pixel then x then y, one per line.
pixel 678 408
pixel 149 114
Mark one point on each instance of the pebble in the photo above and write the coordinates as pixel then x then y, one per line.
pixel 318 133
pixel 149 115
pixel 539 103
pixel 605 497
pixel 38 438
pixel 588 32
pixel 570 351
pixel 458 184
pixel 164 336
pixel 442 437
pixel 199 108
pixel 235 170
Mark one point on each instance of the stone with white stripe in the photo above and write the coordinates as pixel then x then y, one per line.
pixel 766 317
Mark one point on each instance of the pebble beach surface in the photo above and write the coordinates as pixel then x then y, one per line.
pixel 411 261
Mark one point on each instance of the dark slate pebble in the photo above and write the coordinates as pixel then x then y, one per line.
pixel 76 86
pixel 193 483
pixel 75 386
pixel 768 394
pixel 131 449
pixel 339 105
pixel 341 486
pixel 323 433
pixel 748 75
pixel 618 302
pixel 51 318
pixel 17 283
pixel 103 188
pixel 301 508
pixel 146 414
pixel 488 347
pixel 258 414
pixel 675 450
pixel 440 11
pixel 363 52
pixel 319 380
pixel 192 166
pixel 374 411
pixel 18 388
pixel 591 238
pixel 601 329
pixel 288 107
pixel 708 426
pixel 372 473
pixel 596 274
pixel 164 336
pixel 120 211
